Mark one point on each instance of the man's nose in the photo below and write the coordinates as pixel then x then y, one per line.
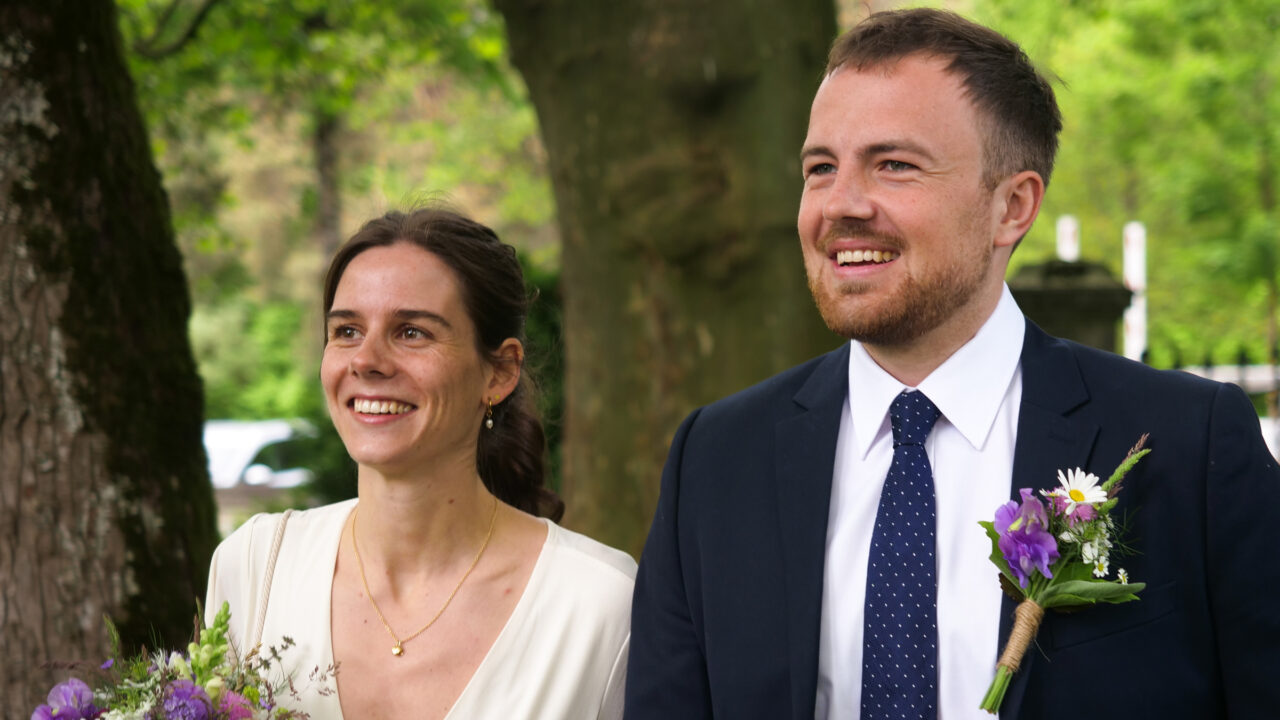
pixel 847 198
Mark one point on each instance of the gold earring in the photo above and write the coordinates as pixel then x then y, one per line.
pixel 488 415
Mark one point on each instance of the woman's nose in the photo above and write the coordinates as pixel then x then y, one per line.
pixel 372 358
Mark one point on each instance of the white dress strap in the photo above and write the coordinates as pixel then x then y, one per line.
pixel 266 580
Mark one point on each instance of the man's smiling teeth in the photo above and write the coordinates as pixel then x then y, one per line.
pixel 849 257
pixel 380 407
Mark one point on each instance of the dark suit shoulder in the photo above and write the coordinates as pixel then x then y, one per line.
pixel 777 396
pixel 1065 377
pixel 1115 376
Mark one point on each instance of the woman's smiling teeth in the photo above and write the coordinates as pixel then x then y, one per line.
pixel 851 257
pixel 380 407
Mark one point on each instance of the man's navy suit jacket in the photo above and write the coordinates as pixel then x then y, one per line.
pixel 729 592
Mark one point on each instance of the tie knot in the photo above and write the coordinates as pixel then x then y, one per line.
pixel 912 416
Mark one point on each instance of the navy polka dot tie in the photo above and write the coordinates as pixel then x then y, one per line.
pixel 900 644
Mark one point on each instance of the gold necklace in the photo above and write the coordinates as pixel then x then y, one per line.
pixel 398 648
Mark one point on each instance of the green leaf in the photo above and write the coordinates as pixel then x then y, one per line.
pixel 997 558
pixel 1086 592
pixel 1069 569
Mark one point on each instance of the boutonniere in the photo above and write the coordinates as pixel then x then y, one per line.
pixel 1056 553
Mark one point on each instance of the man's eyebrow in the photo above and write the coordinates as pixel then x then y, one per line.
pixel 888 146
pixel 812 150
pixel 892 146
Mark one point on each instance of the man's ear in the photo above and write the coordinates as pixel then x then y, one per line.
pixel 507 363
pixel 1017 205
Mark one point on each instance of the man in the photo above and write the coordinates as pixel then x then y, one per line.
pixel 797 569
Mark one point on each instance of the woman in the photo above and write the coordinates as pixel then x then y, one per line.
pixel 438 591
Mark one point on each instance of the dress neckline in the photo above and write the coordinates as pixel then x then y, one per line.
pixel 515 619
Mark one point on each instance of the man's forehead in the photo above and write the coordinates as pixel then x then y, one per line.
pixel 888 67
pixel 912 81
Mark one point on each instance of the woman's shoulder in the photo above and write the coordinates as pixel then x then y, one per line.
pixel 589 562
pixel 257 534
pixel 239 565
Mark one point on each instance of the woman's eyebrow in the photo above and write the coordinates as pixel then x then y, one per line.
pixel 422 315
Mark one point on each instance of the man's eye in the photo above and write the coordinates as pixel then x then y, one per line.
pixel 897 166
pixel 820 169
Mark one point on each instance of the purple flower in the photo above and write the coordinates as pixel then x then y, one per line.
pixel 1024 541
pixel 71 700
pixel 184 700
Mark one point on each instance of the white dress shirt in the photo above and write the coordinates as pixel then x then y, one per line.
pixel 978 389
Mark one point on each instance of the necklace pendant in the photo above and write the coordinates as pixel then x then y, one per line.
pixel 397 650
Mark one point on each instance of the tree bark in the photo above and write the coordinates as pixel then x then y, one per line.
pixel 673 130
pixel 324 145
pixel 105 502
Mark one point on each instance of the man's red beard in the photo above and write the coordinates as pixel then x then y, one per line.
pixel 911 308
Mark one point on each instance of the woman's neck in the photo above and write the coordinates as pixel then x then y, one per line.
pixel 412 528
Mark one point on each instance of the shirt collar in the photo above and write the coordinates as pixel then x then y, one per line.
pixel 968 387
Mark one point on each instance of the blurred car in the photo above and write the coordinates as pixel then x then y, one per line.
pixel 257 453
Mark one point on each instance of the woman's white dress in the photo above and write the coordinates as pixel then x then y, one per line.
pixel 562 653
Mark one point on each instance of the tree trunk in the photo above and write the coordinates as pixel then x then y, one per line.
pixel 324 144
pixel 105 502
pixel 673 130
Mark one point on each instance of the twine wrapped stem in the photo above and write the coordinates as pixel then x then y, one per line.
pixel 1026 622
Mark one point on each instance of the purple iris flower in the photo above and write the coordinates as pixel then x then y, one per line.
pixel 184 700
pixel 71 700
pixel 1024 541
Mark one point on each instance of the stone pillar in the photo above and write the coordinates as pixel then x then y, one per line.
pixel 1078 300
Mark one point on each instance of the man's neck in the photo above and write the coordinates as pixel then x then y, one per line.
pixel 912 361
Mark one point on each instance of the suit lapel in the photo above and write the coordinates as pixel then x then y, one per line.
pixel 805 452
pixel 1051 437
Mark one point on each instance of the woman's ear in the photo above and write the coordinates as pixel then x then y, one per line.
pixel 507 362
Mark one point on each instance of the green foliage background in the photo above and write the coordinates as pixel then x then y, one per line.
pixel 1170 111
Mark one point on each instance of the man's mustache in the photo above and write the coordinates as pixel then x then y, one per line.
pixel 859 229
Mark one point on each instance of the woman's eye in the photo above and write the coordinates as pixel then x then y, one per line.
pixel 413 333
pixel 342 332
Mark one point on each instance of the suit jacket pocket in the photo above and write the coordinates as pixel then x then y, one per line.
pixel 1093 623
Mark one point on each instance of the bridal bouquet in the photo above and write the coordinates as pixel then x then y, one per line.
pixel 205 683
pixel 1056 553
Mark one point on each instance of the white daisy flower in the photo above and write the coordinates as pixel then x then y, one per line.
pixel 1122 576
pixel 1079 488
pixel 1100 567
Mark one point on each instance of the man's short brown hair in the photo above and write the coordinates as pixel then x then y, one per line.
pixel 1015 103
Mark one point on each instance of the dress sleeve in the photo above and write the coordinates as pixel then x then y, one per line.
pixel 1244 567
pixel 615 688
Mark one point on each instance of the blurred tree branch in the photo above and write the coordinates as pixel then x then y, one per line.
pixel 149 47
